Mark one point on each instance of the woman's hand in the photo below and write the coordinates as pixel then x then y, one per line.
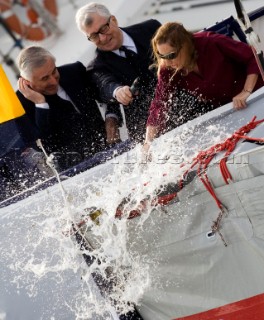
pixel 145 153
pixel 239 101
pixel 151 133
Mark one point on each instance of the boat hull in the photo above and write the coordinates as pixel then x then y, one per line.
pixel 194 271
pixel 251 308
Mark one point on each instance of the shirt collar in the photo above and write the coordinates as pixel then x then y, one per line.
pixel 128 42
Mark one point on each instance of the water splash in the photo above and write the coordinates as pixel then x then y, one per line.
pixel 119 271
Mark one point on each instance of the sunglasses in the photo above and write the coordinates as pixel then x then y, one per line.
pixel 104 29
pixel 169 56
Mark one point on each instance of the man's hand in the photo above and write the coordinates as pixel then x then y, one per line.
pixel 124 95
pixel 28 93
pixel 112 132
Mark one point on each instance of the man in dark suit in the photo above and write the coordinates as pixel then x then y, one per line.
pixel 122 55
pixel 61 106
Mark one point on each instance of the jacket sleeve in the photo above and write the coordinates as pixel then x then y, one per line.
pixel 42 121
pixel 38 118
pixel 105 84
pixel 103 79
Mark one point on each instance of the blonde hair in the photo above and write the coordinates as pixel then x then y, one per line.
pixel 174 34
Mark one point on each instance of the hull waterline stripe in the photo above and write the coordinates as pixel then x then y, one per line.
pixel 247 309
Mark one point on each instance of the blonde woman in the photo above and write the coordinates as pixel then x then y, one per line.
pixel 197 73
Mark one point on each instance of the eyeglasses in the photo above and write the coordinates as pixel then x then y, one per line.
pixel 169 56
pixel 95 36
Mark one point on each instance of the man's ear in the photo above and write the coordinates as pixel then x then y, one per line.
pixel 113 19
pixel 26 81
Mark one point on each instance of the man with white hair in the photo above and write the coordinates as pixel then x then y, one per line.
pixel 122 55
pixel 61 105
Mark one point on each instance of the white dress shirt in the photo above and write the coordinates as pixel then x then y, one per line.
pixel 62 94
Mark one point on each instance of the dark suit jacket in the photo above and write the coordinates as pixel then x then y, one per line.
pixel 109 71
pixel 61 128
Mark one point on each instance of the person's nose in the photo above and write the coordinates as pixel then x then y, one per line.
pixel 53 79
pixel 169 63
pixel 102 36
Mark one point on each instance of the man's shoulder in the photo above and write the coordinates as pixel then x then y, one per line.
pixel 99 59
pixel 23 99
pixel 28 105
pixel 147 23
pixel 72 72
pixel 78 66
pixel 151 25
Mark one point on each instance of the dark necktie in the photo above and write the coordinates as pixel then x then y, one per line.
pixel 65 122
pixel 131 57
pixel 57 101
pixel 130 54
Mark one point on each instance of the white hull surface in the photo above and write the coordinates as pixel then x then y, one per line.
pixel 190 269
pixel 193 269
pixel 187 271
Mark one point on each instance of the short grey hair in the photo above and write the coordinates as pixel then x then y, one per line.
pixel 84 16
pixel 31 58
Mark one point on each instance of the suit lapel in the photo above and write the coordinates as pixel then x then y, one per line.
pixel 71 87
pixel 140 42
